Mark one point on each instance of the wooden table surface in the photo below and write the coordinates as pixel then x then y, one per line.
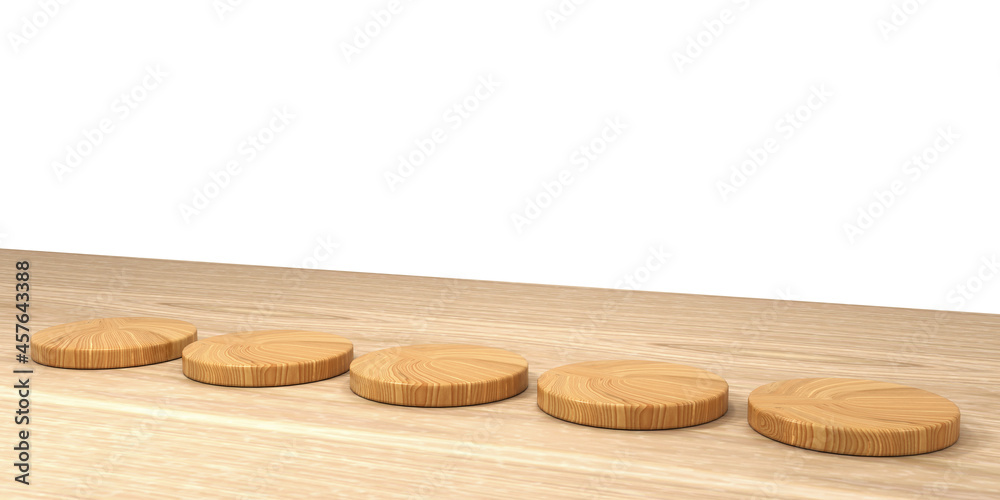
pixel 149 432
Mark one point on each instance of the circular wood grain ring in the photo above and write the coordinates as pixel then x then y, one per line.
pixel 438 375
pixel 112 342
pixel 267 358
pixel 853 417
pixel 636 395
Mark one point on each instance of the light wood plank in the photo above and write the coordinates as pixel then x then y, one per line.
pixel 151 432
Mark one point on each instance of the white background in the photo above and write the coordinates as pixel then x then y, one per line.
pixel 896 79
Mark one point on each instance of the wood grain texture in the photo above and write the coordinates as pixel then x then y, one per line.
pixel 439 375
pixel 267 358
pixel 112 342
pixel 633 394
pixel 854 417
pixel 150 432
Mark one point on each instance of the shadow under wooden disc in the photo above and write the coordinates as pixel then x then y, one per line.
pixel 112 342
pixel 633 394
pixel 439 375
pixel 853 417
pixel 267 358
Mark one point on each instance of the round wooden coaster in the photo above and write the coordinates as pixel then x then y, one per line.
pixel 267 358
pixel 112 342
pixel 853 417
pixel 636 395
pixel 437 375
